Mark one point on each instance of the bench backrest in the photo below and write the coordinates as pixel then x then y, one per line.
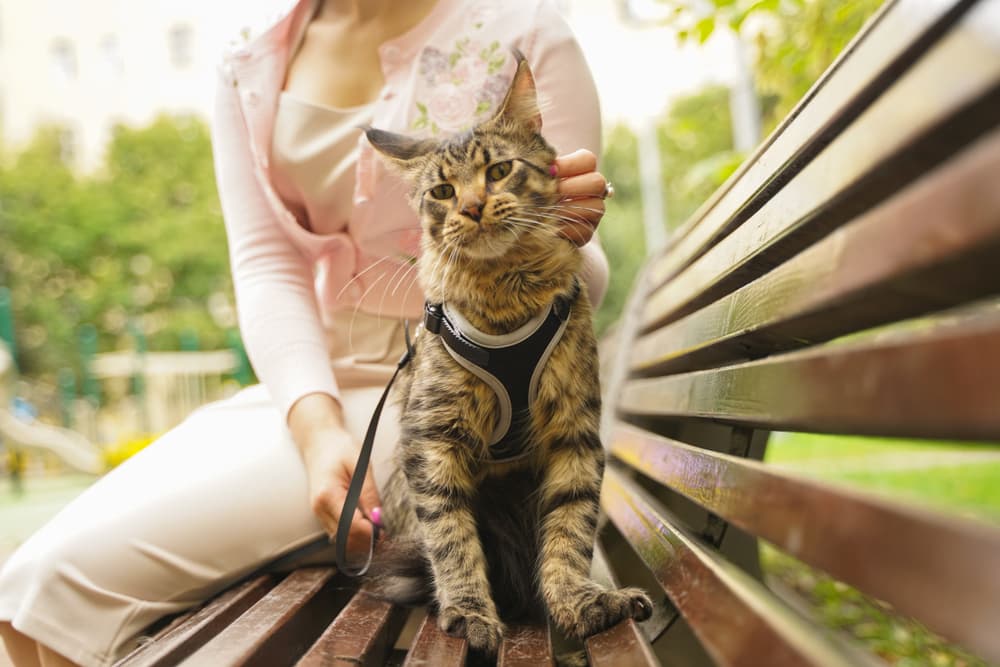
pixel 875 204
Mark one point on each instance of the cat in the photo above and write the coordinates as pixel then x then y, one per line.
pixel 486 539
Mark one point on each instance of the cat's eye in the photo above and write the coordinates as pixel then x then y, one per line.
pixel 498 170
pixel 443 191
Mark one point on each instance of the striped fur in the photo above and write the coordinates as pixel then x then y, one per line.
pixel 499 540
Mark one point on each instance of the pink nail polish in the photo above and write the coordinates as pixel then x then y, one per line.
pixel 553 170
pixel 376 516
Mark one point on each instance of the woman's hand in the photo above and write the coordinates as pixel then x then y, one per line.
pixel 583 191
pixel 330 454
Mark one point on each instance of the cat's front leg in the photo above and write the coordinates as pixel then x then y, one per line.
pixel 442 490
pixel 570 502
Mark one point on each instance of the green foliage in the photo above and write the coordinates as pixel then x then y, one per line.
pixel 794 40
pixel 621 231
pixel 143 241
pixel 696 157
pixel 696 148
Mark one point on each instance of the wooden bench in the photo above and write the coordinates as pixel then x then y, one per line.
pixel 877 202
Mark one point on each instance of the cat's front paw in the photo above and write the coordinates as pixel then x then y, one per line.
pixel 608 608
pixel 482 631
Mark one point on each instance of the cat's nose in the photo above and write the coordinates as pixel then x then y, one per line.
pixel 473 211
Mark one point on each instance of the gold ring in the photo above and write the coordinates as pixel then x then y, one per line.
pixel 609 190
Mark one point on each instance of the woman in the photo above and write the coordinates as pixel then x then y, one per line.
pixel 321 242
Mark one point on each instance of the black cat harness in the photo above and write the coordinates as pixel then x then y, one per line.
pixel 510 364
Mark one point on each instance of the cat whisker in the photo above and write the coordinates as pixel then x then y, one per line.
pixel 565 205
pixel 577 235
pixel 569 216
pixel 406 294
pixel 357 307
pixel 403 277
pixel 358 276
pixel 385 289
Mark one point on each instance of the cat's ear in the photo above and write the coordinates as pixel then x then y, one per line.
pixel 521 103
pixel 398 148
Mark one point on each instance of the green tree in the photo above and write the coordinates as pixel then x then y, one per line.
pixel 794 40
pixel 142 241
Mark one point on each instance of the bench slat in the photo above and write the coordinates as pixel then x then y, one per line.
pixel 189 632
pixel 362 634
pixel 943 384
pixel 433 648
pixel 624 644
pixel 896 38
pixel 897 139
pixel 952 576
pixel 281 626
pixel 526 646
pixel 931 247
pixel 737 620
pixel 620 646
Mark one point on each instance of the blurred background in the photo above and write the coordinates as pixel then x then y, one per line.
pixel 116 305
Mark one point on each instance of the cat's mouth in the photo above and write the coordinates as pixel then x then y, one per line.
pixel 486 239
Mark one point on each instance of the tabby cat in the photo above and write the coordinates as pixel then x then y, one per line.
pixel 497 539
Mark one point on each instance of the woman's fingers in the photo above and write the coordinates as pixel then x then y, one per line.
pixel 329 507
pixel 579 218
pixel 590 184
pixel 577 162
pixel 369 502
pixel 582 189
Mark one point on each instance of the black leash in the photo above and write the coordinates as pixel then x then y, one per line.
pixel 358 478
pixel 353 493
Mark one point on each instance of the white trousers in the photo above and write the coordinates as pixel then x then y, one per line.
pixel 216 498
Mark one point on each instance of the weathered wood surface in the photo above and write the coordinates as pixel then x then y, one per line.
pixel 951 577
pixel 897 139
pixel 433 648
pixel 280 626
pixel 621 646
pixel 944 383
pixel 526 646
pixel 737 620
pixel 898 36
pixel 362 634
pixel 932 247
pixel 187 633
pixel 624 645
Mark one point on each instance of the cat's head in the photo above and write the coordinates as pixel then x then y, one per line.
pixel 482 195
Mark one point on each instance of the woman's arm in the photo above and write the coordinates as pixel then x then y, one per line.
pixel 274 293
pixel 281 326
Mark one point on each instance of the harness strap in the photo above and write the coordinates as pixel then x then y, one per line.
pixel 510 368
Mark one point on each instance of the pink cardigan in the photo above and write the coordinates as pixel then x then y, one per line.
pixel 443 75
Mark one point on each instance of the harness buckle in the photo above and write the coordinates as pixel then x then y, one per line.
pixel 433 315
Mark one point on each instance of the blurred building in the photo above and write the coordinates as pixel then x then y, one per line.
pixel 86 66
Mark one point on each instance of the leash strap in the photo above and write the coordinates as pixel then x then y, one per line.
pixel 358 478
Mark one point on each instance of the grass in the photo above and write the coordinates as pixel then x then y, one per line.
pixel 809 447
pixel 971 490
pixel 892 468
pixel 881 465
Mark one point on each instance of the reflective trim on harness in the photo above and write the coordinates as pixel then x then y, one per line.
pixel 510 364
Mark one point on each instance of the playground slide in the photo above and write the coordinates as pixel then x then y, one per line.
pixel 70 446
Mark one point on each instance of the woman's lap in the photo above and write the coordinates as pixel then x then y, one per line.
pixel 217 497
